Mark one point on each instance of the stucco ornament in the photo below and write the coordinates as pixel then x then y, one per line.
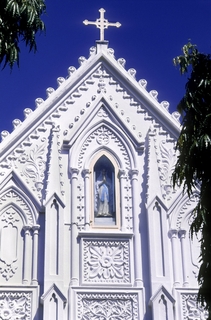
pixel 168 162
pixel 108 306
pixel 193 310
pixel 35 164
pixel 13 308
pixel 106 261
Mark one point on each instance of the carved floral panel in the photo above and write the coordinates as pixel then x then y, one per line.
pixel 106 261
pixel 191 309
pixel 108 306
pixel 15 305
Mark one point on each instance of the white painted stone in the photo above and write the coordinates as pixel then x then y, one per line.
pixel 136 262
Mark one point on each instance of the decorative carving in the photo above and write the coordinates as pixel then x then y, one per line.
pixel 167 166
pixel 154 94
pixel 10 217
pixel 133 102
pixel 16 123
pixel 101 85
pixel 71 70
pixel 4 134
pixel 109 135
pixel 111 51
pixel 103 137
pixel 192 309
pixel 122 62
pixel 143 83
pixel 13 196
pixel 106 261
pixel 35 165
pixel 38 102
pixel 176 115
pixel 27 112
pixel 101 72
pixel 7 270
pixel 15 305
pixel 92 51
pixel 108 306
pixel 60 80
pixel 76 94
pixel 102 113
pixel 49 91
pixel 132 72
pixel 81 60
pixel 165 105
pixel 119 88
pixel 192 202
pixel 83 87
pixel 126 95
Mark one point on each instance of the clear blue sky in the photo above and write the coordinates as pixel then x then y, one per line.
pixel 151 35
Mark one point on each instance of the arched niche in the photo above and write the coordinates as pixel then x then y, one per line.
pixel 15 197
pixel 11 244
pixel 105 204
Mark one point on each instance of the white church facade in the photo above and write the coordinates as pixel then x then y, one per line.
pixel 90 226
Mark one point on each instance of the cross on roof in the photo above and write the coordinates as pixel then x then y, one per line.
pixel 102 23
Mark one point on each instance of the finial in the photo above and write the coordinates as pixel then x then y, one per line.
pixel 102 23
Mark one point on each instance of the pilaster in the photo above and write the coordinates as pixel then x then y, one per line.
pixel 74 231
pixel 173 235
pixel 27 258
pixel 136 227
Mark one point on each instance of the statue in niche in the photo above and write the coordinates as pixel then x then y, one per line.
pixel 103 194
pixel 104 188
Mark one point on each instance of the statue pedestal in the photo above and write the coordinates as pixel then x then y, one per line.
pixel 105 221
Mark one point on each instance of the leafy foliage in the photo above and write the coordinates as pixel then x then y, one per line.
pixel 19 21
pixel 193 167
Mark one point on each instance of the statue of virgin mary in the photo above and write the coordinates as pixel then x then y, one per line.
pixel 103 195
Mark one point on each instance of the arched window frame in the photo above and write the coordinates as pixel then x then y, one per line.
pixel 117 191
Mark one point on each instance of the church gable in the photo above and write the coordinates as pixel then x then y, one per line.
pixel 99 87
pixel 100 74
pixel 89 222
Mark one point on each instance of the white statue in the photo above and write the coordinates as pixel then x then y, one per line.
pixel 103 195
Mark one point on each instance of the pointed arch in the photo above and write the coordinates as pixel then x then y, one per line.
pixel 181 211
pixel 105 196
pixel 103 136
pixel 13 196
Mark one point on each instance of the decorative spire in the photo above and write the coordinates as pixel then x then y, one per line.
pixel 102 24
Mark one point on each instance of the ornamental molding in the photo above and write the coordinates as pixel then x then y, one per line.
pixel 106 261
pixel 15 305
pixel 12 198
pixel 191 309
pixel 102 112
pixel 54 290
pixel 128 205
pixel 185 211
pixel 99 76
pixel 162 291
pixel 103 136
pixel 34 165
pixel 107 306
pixel 167 165
pixel 30 160
pixel 166 160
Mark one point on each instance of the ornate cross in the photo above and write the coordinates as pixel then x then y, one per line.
pixel 102 23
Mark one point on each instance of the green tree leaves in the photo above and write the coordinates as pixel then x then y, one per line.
pixel 193 167
pixel 19 21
